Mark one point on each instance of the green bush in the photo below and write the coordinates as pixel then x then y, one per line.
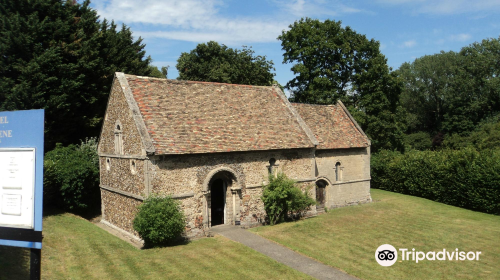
pixel 485 136
pixel 159 221
pixel 465 178
pixel 418 141
pixel 283 200
pixel 71 178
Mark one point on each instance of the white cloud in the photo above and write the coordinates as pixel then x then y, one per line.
pixel 201 20
pixel 460 37
pixel 160 64
pixel 447 7
pixel 232 37
pixel 170 12
pixel 189 20
pixel 302 8
pixel 409 44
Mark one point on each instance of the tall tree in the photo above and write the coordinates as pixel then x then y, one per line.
pixel 157 73
pixel 428 88
pixel 480 79
pixel 58 56
pixel 451 92
pixel 211 62
pixel 335 63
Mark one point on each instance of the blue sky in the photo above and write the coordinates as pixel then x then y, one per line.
pixel 406 29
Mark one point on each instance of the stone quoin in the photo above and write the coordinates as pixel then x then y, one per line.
pixel 213 145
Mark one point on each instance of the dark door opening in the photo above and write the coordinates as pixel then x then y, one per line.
pixel 217 202
pixel 320 194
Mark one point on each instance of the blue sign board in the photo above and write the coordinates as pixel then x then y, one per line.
pixel 21 177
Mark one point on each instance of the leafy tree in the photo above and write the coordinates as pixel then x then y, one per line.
pixel 157 73
pixel 479 82
pixel 449 92
pixel 485 136
pixel 428 90
pixel 211 62
pixel 418 141
pixel 335 63
pixel 58 56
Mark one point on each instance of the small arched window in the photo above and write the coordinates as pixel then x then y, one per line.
pixel 338 172
pixel 108 164
pixel 133 167
pixel 118 138
pixel 272 167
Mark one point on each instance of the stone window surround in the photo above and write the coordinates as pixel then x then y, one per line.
pixel 118 132
pixel 133 166
pixel 273 166
pixel 339 172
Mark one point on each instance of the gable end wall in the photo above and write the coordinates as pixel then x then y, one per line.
pixel 354 186
pixel 118 109
pixel 118 209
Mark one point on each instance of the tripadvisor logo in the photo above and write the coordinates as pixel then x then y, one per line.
pixel 387 255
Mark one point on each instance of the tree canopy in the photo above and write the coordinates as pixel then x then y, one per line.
pixel 451 92
pixel 58 56
pixel 157 73
pixel 211 62
pixel 333 63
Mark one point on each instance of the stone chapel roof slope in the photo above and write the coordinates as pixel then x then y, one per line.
pixel 333 126
pixel 186 117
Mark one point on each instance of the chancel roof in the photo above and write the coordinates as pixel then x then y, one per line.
pixel 333 126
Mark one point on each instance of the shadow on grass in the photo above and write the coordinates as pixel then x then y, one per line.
pixel 52 211
pixel 14 263
pixel 56 211
pixel 180 242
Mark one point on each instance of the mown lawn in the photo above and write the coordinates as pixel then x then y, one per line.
pixel 74 248
pixel 347 238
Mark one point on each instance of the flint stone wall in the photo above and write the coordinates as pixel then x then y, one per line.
pixel 118 109
pixel 189 174
pixel 120 175
pixel 119 210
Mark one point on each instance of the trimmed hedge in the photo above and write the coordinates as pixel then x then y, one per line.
pixel 465 178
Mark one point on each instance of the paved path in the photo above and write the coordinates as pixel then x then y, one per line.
pixel 281 254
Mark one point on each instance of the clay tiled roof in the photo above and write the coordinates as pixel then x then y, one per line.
pixel 332 125
pixel 183 117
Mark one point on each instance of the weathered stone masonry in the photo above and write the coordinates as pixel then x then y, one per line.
pixel 150 145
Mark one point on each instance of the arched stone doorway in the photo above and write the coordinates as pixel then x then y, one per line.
pixel 218 189
pixel 321 194
pixel 221 198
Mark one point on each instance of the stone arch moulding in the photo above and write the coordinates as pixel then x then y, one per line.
pixel 211 174
pixel 324 179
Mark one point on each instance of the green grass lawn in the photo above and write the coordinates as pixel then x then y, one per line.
pixel 347 238
pixel 74 248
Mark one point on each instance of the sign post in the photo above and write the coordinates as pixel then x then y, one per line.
pixel 21 182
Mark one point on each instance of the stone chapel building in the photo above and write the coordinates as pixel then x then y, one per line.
pixel 212 146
